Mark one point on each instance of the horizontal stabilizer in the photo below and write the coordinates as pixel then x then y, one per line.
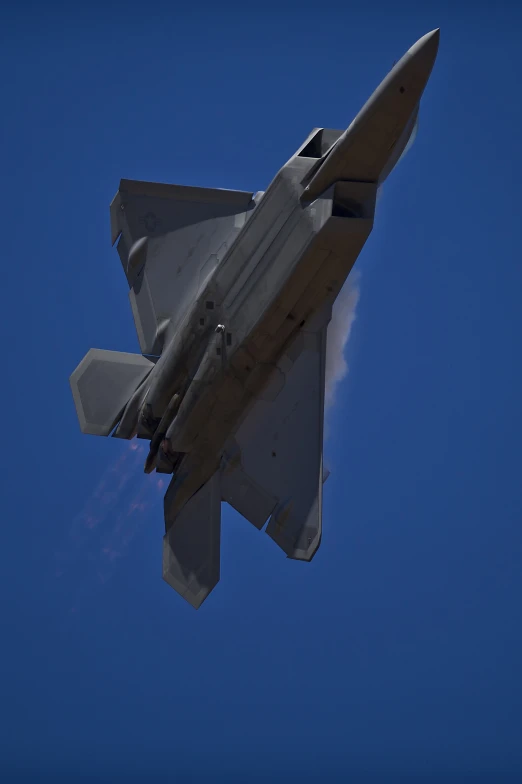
pixel 191 546
pixel 101 386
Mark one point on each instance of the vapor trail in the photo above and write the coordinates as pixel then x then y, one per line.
pixel 343 316
pixel 102 502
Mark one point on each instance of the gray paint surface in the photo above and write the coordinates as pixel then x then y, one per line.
pixel 101 386
pixel 231 294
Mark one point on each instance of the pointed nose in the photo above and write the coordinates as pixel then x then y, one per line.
pixel 363 150
pixel 428 43
pixel 423 53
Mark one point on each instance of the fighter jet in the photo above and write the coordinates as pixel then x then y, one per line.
pixel 231 294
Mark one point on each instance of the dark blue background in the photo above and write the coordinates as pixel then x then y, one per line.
pixel 396 655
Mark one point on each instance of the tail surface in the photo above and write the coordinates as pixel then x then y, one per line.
pixel 101 386
pixel 191 546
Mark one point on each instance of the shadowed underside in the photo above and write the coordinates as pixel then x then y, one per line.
pixel 231 294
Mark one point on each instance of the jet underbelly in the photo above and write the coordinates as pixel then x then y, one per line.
pixel 231 378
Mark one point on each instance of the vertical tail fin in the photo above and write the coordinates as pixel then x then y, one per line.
pixel 102 384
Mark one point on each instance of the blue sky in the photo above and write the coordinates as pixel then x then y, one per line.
pixel 395 655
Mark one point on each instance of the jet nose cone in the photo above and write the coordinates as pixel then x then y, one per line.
pixel 364 151
pixel 424 51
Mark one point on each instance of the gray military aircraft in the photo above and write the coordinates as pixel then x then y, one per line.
pixel 231 294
